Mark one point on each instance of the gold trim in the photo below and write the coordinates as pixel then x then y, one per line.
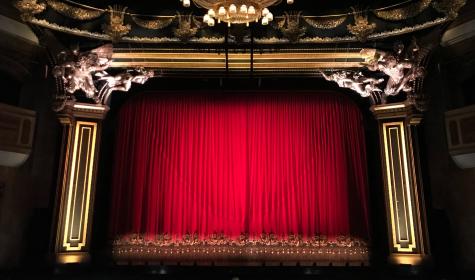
pixel 232 56
pixel 389 106
pixel 396 236
pixel 403 13
pixel 89 107
pixel 80 126
pixel 407 259
pixel 67 258
pixel 325 22
pixel 74 12
pixel 237 66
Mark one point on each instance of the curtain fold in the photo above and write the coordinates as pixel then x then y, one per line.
pixel 282 164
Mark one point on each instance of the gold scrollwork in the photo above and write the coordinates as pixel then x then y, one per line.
pixel 29 8
pixel 325 22
pixel 74 12
pixel 155 24
pixel 403 13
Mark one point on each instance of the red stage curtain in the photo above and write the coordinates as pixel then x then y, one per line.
pixel 286 164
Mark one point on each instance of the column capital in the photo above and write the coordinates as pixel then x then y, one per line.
pixel 74 110
pixel 397 111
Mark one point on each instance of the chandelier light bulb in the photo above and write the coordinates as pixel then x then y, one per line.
pixel 265 11
pixel 251 10
pixel 211 22
pixel 186 3
pixel 270 16
pixel 265 21
pixel 243 9
pixel 221 11
pixel 290 2
pixel 211 13
pixel 232 9
pixel 206 18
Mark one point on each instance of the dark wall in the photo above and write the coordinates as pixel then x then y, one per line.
pixel 451 189
pixel 26 192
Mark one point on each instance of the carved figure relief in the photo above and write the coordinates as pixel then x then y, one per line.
pixel 82 71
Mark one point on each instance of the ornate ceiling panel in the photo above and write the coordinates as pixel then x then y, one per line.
pixel 304 24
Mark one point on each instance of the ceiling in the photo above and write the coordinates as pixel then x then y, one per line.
pixel 313 7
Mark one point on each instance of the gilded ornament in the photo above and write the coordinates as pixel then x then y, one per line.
pixel 406 12
pixel 325 22
pixel 187 27
pixel 362 28
pixel 449 7
pixel 74 12
pixel 29 8
pixel 154 24
pixel 290 26
pixel 115 27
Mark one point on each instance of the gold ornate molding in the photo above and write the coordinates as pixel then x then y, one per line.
pixel 154 24
pixel 218 40
pixel 29 8
pixel 404 13
pixel 74 12
pixel 325 22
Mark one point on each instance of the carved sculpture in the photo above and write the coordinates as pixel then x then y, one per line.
pixel 75 68
pixel 121 82
pixel 84 70
pixel 402 71
pixel 364 86
pixel 401 68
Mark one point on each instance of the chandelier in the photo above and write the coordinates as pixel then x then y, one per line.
pixel 236 11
